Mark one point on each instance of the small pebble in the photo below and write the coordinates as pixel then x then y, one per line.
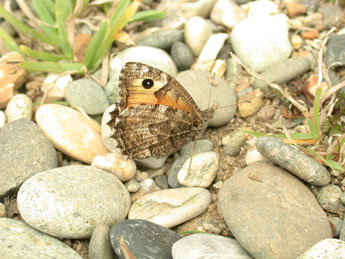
pixel 201 145
pixel 3 213
pixel 327 248
pixel 196 33
pixel 123 169
pixel 329 199
pixel 253 156
pixel 336 224
pixel 335 56
pixel 2 119
pixel 99 246
pixel 296 41
pixel 262 8
pixel 227 13
pixel 295 9
pixel 293 160
pixel 53 86
pixel 162 181
pixel 219 68
pixel 171 207
pixel 267 112
pixel 233 142
pixel 250 103
pixel 201 172
pixel 145 240
pixel 20 106
pixel 182 55
pixel 310 34
pixel 173 171
pixel 162 40
pixel 132 185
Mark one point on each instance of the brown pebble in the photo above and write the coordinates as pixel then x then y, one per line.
pixel 295 9
pixel 311 34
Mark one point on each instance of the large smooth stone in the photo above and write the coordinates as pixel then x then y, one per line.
pixel 19 240
pixel 72 201
pixel 282 218
pixel 71 132
pixel 24 151
pixel 144 239
pixel 171 207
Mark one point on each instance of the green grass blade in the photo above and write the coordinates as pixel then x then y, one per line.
pixel 312 128
pixel 21 27
pixel 316 111
pixel 95 44
pixel 42 10
pixel 52 67
pixel 148 16
pixel 61 13
pixel 39 55
pixel 9 42
pixel 119 10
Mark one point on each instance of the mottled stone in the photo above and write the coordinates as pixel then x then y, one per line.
pixel 100 247
pixel 293 160
pixel 19 240
pixel 144 239
pixel 233 142
pixel 267 196
pixel 329 198
pixel 327 248
pixel 20 106
pixel 72 201
pixel 24 151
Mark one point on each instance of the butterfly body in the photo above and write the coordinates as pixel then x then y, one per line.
pixel 155 115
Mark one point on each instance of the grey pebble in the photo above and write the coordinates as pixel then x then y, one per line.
pixel 173 171
pixel 329 198
pixel 162 181
pixel 328 249
pixel 86 94
pixel 293 160
pixel 342 231
pixel 162 40
pixel 235 142
pixel 194 147
pixel 182 55
pixel 24 151
pixel 335 52
pixel 337 225
pixel 100 247
pixel 145 240
pixel 19 240
pixel 284 71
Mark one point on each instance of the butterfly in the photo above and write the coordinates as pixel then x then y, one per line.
pixel 155 115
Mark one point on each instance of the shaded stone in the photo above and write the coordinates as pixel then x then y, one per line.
pixel 162 40
pixel 100 247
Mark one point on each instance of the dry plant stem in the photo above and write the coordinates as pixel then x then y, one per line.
pixel 125 249
pixel 301 106
pixel 333 146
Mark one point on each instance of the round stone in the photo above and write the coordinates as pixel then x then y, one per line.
pixel 65 204
pixel 100 247
pixel 267 196
pixel 329 198
pixel 20 106
pixel 182 55
pixel 198 146
pixel 161 40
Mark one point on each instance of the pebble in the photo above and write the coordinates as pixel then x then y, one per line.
pixel 253 156
pixel 12 77
pixel 284 71
pixel 329 198
pixel 268 196
pixel 53 86
pixel 24 151
pixel 208 91
pixel 342 231
pixel 152 163
pixel 267 111
pixel 20 106
pixel 145 240
pixel 262 41
pixel 293 160
pixel 143 54
pixel 2 119
pixel 210 51
pixel 72 201
pixel 196 33
pixel 19 240
pixel 3 213
pixel 162 40
pixel 262 8
pixel 173 171
pixel 99 246
pixel 132 185
pixel 219 68
pixel 71 132
pixel 233 142
pixel 116 164
pixel 171 207
pixel 327 248
pixel 198 146
pixel 227 13
pixel 201 172
pixel 331 13
pixel 162 181
pixel 182 55
pixel 312 5
pixel 335 52
pixel 296 41
pixel 295 9
pixel 336 225
pixel 250 103
pixel 86 94
pixel 208 246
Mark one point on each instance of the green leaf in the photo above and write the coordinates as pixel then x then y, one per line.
pixel 119 10
pixel 256 134
pixel 312 128
pixel 148 16
pixel 316 109
pixel 42 9
pixel 61 13
pixel 9 42
pixel 335 165
pixel 53 67
pixel 21 27
pixel 45 56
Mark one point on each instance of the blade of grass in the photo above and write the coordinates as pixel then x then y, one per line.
pixel 42 10
pixel 316 112
pixel 148 16
pixel 45 56
pixel 119 10
pixel 9 42
pixel 61 14
pixel 53 67
pixel 21 27
pixel 312 128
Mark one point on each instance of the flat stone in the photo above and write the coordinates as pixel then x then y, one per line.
pixel 99 246
pixel 335 52
pixel 293 160
pixel 71 132
pixel 267 196
pixel 171 207
pixel 327 248
pixel 65 204
pixel 162 40
pixel 208 246
pixel 24 151
pixel 19 240
pixel 144 239
pixel 86 94
pixel 199 146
